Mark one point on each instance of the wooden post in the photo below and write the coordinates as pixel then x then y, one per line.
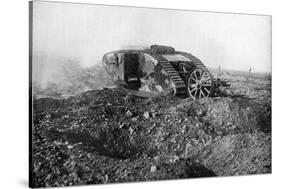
pixel 250 70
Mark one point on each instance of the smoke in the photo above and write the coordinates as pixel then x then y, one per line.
pixel 47 69
pixel 59 76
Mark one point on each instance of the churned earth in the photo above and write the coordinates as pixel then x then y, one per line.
pixel 106 136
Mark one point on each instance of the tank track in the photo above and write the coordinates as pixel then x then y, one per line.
pixel 196 61
pixel 180 86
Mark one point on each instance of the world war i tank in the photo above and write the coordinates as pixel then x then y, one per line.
pixel 159 70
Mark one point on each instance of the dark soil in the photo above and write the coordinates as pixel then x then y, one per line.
pixel 105 136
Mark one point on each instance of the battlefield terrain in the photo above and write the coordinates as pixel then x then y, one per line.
pixel 86 131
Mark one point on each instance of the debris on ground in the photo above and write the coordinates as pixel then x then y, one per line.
pixel 102 136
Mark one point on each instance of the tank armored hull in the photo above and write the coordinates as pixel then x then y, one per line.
pixel 159 70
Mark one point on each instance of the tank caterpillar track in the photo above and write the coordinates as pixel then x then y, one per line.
pixel 180 86
pixel 196 61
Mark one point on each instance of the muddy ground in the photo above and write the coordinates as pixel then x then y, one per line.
pixel 105 136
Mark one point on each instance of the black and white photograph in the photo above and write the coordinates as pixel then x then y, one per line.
pixel 122 94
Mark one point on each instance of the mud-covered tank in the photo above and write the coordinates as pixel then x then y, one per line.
pixel 159 70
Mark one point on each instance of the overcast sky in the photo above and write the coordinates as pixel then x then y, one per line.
pixel 87 32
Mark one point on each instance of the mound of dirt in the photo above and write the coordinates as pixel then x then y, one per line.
pixel 105 136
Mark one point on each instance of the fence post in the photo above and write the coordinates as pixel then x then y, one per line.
pixel 250 70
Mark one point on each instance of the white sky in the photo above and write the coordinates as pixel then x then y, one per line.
pixel 87 32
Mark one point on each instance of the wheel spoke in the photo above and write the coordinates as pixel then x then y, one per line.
pixel 193 89
pixel 195 93
pixel 206 90
pixel 195 75
pixel 193 79
pixel 200 74
pixel 201 91
pixel 192 85
pixel 206 85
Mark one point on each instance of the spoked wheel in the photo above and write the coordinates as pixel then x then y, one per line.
pixel 199 84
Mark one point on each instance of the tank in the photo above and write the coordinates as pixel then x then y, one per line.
pixel 159 70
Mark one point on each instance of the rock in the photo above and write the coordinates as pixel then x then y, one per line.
pixel 131 130
pixel 180 121
pixel 122 125
pixel 249 109
pixel 134 119
pixel 153 168
pixel 105 179
pixel 157 158
pixel 198 111
pixel 66 117
pixel 129 113
pixel 174 159
pixel 146 115
pixel 70 146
